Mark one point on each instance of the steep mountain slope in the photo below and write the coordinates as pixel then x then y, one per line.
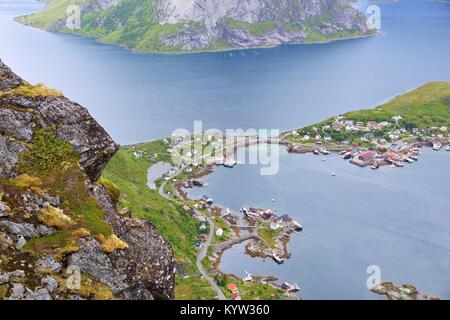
pixel 55 219
pixel 190 25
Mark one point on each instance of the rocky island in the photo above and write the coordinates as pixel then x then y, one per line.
pixel 61 236
pixel 203 25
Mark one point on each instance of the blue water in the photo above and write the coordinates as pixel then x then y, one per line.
pixel 397 219
pixel 140 97
pixel 155 172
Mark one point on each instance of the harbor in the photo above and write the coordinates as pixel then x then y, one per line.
pixel 321 257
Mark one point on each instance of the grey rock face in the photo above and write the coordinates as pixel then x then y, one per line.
pixel 48 262
pixel 38 294
pixel 27 230
pixel 49 283
pixel 208 21
pixel 93 261
pixel 145 270
pixel 17 291
pixel 147 265
pixel 20 116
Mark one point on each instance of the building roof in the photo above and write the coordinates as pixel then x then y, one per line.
pixel 366 155
pixel 232 287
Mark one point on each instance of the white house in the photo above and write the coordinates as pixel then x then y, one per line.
pixel 219 232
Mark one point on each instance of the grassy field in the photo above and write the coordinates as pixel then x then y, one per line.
pixel 425 108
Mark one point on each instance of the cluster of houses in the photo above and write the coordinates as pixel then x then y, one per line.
pixel 389 145
pixel 366 130
pixel 276 222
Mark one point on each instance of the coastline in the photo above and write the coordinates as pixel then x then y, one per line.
pixel 19 19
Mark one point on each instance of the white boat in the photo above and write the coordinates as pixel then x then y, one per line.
pixel 324 151
pixel 448 148
pixel 277 259
pixel 297 226
pixel 290 287
pixel 230 163
pixel 399 164
pixel 316 152
pixel 437 146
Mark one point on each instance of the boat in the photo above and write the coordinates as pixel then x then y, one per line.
pixel 347 156
pixel 409 160
pixel 316 152
pixel 448 148
pixel 230 163
pixel 333 174
pixel 290 287
pixel 437 146
pixel 297 226
pixel 398 164
pixel 374 166
pixel 414 157
pixel 324 151
pixel 277 259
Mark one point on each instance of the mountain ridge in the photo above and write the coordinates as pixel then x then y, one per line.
pixel 206 25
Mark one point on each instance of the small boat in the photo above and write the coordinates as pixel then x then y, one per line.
pixel 316 152
pixel 290 287
pixel 297 226
pixel 230 163
pixel 415 158
pixel 347 156
pixel 374 167
pixel 333 174
pixel 408 160
pixel 399 164
pixel 448 148
pixel 437 146
pixel 277 259
pixel 324 151
pixel 323 160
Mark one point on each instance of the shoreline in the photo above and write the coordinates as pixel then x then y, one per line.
pixel 19 19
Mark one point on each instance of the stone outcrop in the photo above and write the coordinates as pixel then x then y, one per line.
pixel 47 228
pixel 20 115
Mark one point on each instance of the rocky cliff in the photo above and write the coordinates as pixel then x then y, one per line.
pixel 189 25
pixel 61 236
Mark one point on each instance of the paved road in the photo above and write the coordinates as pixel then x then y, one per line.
pixel 201 255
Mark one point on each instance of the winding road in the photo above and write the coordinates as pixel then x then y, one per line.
pixel 201 255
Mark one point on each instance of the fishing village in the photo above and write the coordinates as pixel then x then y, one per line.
pixel 368 143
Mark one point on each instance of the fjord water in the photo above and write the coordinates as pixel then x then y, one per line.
pixel 140 97
pixel 395 219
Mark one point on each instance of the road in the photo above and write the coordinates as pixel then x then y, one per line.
pixel 201 255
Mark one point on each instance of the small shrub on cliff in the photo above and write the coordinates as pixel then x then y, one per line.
pixel 33 91
pixel 111 188
pixel 47 153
